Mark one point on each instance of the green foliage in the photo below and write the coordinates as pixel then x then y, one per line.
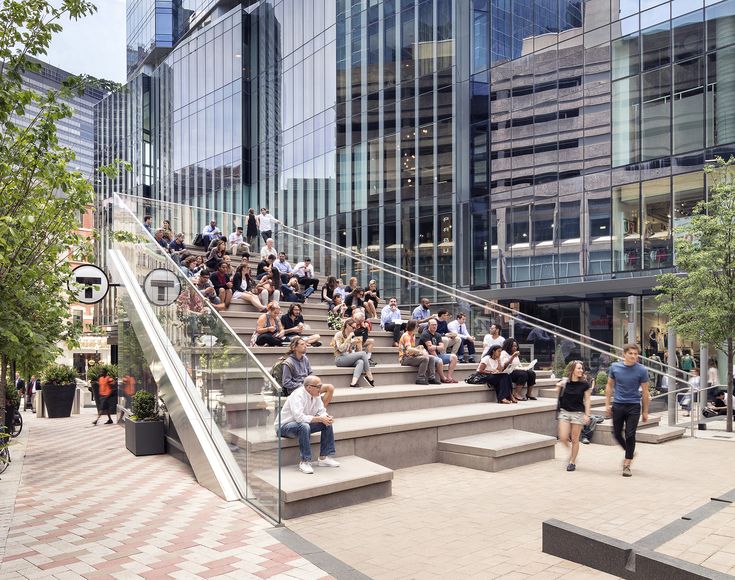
pixel 700 303
pixel 559 365
pixel 59 375
pixel 144 407
pixel 41 197
pixel 11 394
pixel 94 372
pixel 600 381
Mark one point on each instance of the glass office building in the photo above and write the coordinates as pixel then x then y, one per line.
pixel 538 152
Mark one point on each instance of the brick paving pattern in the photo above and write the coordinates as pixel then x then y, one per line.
pixel 87 508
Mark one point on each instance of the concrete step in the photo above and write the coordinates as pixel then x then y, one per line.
pixel 406 438
pixel 356 480
pixel 323 355
pixel 381 338
pixel 313 305
pixel 659 434
pixel 497 450
pixel 603 434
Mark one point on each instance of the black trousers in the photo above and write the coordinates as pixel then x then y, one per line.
pixel 502 384
pixel 470 348
pixel 527 378
pixel 269 339
pixel 396 329
pixel 306 282
pixel 625 418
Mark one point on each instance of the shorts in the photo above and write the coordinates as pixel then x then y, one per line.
pixel 445 358
pixel 573 417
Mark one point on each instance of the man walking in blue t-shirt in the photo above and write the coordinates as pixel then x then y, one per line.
pixel 629 382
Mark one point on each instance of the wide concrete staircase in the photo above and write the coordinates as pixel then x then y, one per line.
pixel 397 424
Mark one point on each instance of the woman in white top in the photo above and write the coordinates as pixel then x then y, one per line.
pixel 492 368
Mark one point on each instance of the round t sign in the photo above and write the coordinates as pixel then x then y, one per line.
pixel 162 287
pixel 89 284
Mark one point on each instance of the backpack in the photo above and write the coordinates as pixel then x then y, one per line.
pixel 277 373
pixel 199 241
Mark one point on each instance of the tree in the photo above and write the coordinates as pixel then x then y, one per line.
pixel 41 197
pixel 700 299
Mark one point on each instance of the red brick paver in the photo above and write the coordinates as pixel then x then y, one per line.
pixel 87 508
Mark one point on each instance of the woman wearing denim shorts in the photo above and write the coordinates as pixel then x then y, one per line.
pixel 574 408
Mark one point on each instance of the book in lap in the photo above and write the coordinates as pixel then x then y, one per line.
pixel 517 365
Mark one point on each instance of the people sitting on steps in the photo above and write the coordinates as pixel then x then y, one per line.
pixel 236 242
pixel 204 285
pixel 303 414
pixel 390 320
pixel 271 282
pixel 355 300
pixel 411 354
pixel 216 256
pixel 348 352
pixel 372 296
pixel 493 338
pixel 210 232
pixel 177 248
pixel 215 241
pixel 304 273
pixel 362 330
pixel 269 331
pixel 245 288
pixel 493 373
pixel 294 326
pixel 328 290
pixel 459 327
pixel 519 378
pixel 222 284
pixel 283 267
pixel 431 340
pixel 290 292
pixel 298 368
pixel 264 267
pixel 268 250
pixel 336 314
pixel 451 340
pixel 422 313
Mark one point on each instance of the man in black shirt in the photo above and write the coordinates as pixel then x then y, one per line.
pixel 431 340
pixel 265 266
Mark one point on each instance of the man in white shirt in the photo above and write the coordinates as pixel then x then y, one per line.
pixel 390 320
pixel 492 339
pixel 265 223
pixel 304 414
pixel 268 250
pixel 211 231
pixel 458 327
pixel 236 242
pixel 304 273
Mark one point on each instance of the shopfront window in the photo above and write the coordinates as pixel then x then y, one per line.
pixel 657 250
pixel 626 227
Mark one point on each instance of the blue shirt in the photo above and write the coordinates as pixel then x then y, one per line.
pixel 389 315
pixel 421 313
pixel 628 380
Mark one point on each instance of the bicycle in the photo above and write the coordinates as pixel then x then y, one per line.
pixel 4 451
pixel 17 423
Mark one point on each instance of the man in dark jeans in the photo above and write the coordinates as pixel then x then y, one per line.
pixel 629 382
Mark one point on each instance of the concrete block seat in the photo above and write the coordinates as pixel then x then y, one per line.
pixel 356 480
pixel 497 450
pixel 659 434
pixel 405 438
pixel 604 431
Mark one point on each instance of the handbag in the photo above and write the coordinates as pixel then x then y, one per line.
pixel 561 392
pixel 476 379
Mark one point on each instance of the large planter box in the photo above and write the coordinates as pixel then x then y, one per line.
pixel 145 437
pixel 59 400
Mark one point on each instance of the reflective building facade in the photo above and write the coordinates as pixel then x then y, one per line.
pixel 538 152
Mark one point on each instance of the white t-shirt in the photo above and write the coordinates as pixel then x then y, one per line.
pixel 235 238
pixel 265 251
pixel 266 222
pixel 489 341
pixel 491 364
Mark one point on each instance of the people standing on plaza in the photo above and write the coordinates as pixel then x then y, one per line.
pixel 390 320
pixel 297 367
pixel 574 408
pixel 626 400
pixel 20 384
pixel 459 327
pixel 210 232
pixel 251 233
pixel 348 352
pixel 265 224
pixel 106 401
pixel 33 386
pixel 413 355
pixel 303 414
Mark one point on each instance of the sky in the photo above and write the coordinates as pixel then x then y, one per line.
pixel 94 45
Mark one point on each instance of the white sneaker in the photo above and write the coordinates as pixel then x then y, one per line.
pixel 305 467
pixel 328 462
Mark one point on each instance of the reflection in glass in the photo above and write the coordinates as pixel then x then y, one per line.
pixel 657 251
pixel 626 227
pixel 688 125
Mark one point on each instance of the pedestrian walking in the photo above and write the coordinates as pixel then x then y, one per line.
pixel 626 400
pixel 574 408
pixel 106 402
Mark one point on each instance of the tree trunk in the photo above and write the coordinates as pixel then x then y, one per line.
pixel 729 384
pixel 3 386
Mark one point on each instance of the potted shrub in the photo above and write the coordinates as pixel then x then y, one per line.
pixel 144 434
pixel 59 388
pixel 12 400
pixel 600 382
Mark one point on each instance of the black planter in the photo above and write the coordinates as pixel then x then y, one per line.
pixel 58 399
pixel 144 437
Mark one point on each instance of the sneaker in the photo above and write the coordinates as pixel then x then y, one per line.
pixel 95 421
pixel 571 467
pixel 471 359
pixel 327 462
pixel 585 441
pixel 372 362
pixel 626 471
pixel 305 467
pixel 435 381
pixel 108 422
pixel 421 382
pixel 462 360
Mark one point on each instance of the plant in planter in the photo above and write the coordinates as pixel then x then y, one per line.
pixel 59 388
pixel 144 432
pixel 600 382
pixel 12 400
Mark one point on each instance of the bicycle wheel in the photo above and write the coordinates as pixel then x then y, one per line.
pixel 17 424
pixel 4 452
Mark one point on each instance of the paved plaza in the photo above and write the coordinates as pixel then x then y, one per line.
pixel 76 504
